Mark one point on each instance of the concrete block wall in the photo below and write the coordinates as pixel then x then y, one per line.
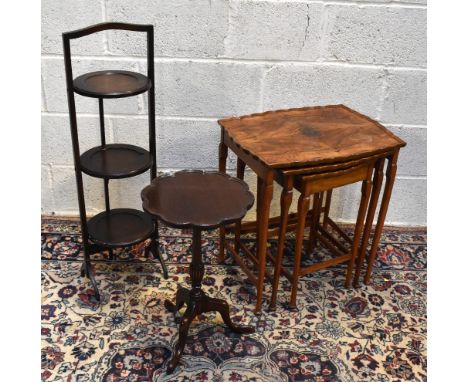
pixel 218 58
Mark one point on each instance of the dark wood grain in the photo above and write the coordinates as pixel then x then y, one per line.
pixel 197 199
pixel 107 161
pixel 197 302
pixel 86 31
pixel 116 161
pixel 309 136
pixel 120 227
pixel 111 84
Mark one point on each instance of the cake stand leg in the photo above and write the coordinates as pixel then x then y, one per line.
pixel 155 250
pixel 94 283
pixel 84 271
pixel 87 270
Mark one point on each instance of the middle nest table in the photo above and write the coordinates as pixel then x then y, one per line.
pixel 201 201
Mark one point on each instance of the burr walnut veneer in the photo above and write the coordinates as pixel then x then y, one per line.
pixel 312 149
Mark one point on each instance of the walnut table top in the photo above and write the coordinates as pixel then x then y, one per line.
pixel 309 136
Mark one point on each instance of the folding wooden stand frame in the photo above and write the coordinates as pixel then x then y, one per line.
pixel 119 227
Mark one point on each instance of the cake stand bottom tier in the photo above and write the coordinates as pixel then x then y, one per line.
pixel 120 227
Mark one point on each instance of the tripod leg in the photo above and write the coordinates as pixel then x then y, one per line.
pixel 182 297
pixel 188 317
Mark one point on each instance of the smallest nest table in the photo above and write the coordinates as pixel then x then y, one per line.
pixel 201 201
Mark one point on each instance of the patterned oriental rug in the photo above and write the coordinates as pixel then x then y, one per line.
pixel 374 333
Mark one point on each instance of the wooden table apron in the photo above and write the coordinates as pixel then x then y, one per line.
pixel 265 178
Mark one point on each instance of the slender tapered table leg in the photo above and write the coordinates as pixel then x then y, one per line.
pixel 286 199
pixel 365 195
pixel 326 212
pixel 302 208
pixel 264 194
pixel 389 180
pixel 376 186
pixel 316 211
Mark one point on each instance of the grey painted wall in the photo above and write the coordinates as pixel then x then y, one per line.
pixel 218 58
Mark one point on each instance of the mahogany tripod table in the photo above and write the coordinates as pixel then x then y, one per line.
pixel 201 201
pixel 312 149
